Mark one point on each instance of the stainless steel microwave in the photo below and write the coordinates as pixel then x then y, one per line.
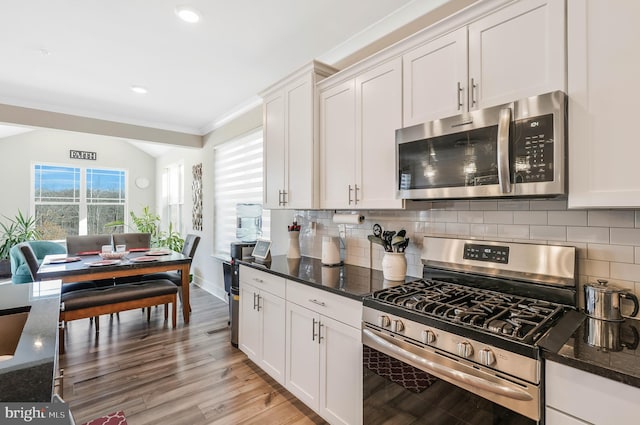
pixel 510 150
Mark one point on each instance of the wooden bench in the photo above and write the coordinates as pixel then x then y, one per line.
pixel 93 302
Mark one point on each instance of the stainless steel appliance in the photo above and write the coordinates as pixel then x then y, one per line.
pixel 602 301
pixel 460 345
pixel 515 149
pixel 239 251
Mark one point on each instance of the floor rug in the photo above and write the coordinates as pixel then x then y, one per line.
pixel 116 418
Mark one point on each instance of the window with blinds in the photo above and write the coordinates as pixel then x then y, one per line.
pixel 238 167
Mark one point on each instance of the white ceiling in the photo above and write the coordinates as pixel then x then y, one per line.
pixel 81 56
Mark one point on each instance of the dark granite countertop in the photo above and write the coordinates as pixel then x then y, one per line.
pixel 350 281
pixel 28 376
pixel 608 349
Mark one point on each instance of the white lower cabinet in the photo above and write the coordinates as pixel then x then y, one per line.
pixel 577 397
pixel 262 321
pixel 324 355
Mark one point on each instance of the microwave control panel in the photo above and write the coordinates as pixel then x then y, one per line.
pixel 533 149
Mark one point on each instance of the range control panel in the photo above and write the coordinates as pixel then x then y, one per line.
pixel 488 253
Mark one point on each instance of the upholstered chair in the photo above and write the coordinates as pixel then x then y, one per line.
pixel 20 272
pixel 87 244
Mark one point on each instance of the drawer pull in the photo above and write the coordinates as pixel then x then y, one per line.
pixel 320 303
pixel 258 280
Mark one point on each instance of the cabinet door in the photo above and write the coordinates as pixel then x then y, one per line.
pixel 303 355
pixel 516 52
pixel 300 169
pixel 337 146
pixel 272 310
pixel 378 116
pixel 340 373
pixel 604 64
pixel 250 322
pixel 555 417
pixel 435 79
pixel 274 150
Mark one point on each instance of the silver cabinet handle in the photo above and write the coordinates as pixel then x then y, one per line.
pixel 259 302
pixel 460 89
pixel 320 337
pixel 284 198
pixel 350 190
pixel 313 329
pixel 474 86
pixel 279 198
pixel 258 280
pixel 320 303
pixel 255 302
pixel 504 177
pixel 356 198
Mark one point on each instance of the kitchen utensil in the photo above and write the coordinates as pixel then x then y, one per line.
pixel 377 230
pixel 376 240
pixel 396 240
pixel 602 301
pixel 402 246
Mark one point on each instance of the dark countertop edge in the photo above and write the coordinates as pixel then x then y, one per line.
pixel 551 344
pixel 261 267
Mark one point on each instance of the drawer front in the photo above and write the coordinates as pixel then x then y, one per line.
pixel 342 309
pixel 262 280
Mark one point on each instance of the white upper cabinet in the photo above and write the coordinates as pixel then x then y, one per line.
pixel 514 52
pixel 291 140
pixel 603 70
pixel 358 120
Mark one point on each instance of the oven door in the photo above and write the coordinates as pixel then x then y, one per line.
pixel 404 382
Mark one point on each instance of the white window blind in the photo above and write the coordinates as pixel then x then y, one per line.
pixel 238 179
pixel 173 195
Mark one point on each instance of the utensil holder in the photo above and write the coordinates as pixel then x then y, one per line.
pixel 294 244
pixel 394 266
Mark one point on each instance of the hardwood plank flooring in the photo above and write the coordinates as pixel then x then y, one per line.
pixel 190 375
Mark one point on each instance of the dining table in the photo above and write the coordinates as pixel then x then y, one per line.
pixel 93 266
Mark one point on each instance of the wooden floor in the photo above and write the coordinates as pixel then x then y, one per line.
pixel 157 375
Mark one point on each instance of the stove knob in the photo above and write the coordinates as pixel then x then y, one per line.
pixel 384 321
pixel 465 349
pixel 487 357
pixel 397 326
pixel 428 336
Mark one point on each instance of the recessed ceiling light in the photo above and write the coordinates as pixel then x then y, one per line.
pixel 138 89
pixel 188 14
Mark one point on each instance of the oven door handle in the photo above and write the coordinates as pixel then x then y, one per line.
pixel 379 343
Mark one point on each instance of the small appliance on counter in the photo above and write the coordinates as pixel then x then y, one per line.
pixel 239 251
pixel 331 251
pixel 603 301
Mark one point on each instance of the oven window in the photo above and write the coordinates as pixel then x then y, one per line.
pixel 454 160
pixel 398 393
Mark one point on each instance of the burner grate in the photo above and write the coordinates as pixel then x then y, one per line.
pixel 520 318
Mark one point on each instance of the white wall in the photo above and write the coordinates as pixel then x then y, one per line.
pixel 19 152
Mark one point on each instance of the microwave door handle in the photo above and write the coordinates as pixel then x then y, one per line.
pixel 504 177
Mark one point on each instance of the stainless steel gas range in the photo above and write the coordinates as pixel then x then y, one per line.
pixel 460 346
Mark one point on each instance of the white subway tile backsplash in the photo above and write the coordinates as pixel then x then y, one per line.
pixel 513 205
pixel 567 218
pixel 588 234
pixel 457 229
pixel 625 236
pixel 610 218
pixel 550 233
pixel 607 241
pixel 625 271
pixel 484 230
pixel 595 268
pixel 498 217
pixel 530 217
pixel 516 231
pixel 470 216
pixel 604 252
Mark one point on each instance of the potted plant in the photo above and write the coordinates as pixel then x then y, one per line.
pixel 149 222
pixel 15 230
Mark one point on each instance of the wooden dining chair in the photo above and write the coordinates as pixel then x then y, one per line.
pixel 188 249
